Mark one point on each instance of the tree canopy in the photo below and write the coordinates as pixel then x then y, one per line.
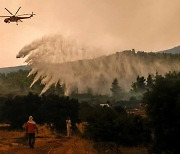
pixel 163 109
pixel 116 89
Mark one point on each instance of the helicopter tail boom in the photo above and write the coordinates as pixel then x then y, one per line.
pixel 32 14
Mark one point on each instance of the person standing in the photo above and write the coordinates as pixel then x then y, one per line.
pixel 31 128
pixel 68 126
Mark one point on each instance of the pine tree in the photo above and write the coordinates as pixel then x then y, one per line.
pixel 116 89
pixel 139 85
pixel 150 82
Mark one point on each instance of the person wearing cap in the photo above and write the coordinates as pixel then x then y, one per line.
pixel 31 128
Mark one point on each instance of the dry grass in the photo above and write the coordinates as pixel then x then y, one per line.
pixel 77 145
pixel 44 131
pixel 15 141
pixel 12 139
pixel 8 139
pixel 82 146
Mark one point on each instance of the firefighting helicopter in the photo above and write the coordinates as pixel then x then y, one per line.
pixel 16 18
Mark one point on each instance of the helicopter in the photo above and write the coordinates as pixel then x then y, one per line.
pixel 16 18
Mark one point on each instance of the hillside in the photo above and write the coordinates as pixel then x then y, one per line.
pixel 97 74
pixel 175 50
pixel 13 69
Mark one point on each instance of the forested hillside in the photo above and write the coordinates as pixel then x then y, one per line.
pixel 13 69
pixel 94 76
pixel 17 83
pixel 97 74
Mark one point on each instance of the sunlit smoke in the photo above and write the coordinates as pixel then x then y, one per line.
pixel 58 60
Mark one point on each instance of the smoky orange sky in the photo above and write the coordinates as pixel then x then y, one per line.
pixel 148 25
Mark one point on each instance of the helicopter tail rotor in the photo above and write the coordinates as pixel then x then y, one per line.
pixel 32 14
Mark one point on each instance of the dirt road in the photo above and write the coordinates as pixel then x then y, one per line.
pixel 48 142
pixel 46 145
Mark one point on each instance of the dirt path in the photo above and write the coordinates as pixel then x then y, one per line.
pixel 43 146
pixel 48 142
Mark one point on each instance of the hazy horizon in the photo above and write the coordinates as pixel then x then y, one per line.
pixel 144 25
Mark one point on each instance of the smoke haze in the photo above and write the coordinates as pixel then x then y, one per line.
pixel 150 25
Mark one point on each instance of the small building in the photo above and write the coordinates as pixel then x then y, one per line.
pixel 104 105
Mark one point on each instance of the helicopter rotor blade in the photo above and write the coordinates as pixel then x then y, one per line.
pixel 5 16
pixel 17 10
pixel 8 11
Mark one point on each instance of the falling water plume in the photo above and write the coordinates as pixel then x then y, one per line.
pixel 57 59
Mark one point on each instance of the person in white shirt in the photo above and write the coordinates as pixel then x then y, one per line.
pixel 68 126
